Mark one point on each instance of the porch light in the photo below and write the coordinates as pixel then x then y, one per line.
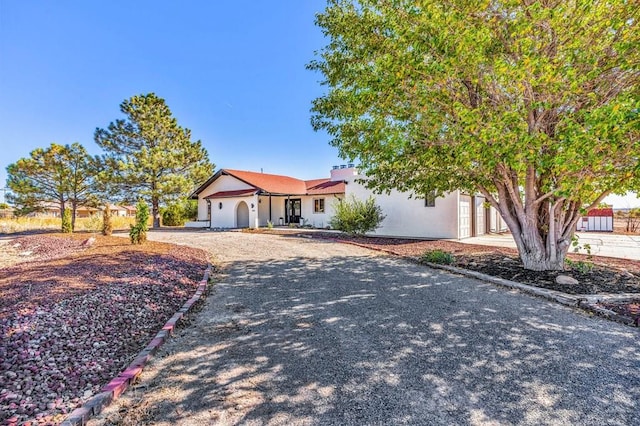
pixel 220 205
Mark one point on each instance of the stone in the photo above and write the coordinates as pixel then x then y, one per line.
pixel 627 274
pixel 89 242
pixel 566 280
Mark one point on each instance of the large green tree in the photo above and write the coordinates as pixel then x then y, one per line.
pixel 150 156
pixel 534 104
pixel 58 174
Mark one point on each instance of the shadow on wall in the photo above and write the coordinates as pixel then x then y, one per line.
pixel 349 341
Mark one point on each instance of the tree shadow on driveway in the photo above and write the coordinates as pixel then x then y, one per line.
pixel 378 340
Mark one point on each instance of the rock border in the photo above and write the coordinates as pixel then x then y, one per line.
pixel 587 302
pixel 117 386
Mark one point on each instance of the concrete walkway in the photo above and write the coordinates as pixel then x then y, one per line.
pixel 305 332
pixel 602 244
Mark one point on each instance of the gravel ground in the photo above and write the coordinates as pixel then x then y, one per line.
pixel 74 312
pixel 300 331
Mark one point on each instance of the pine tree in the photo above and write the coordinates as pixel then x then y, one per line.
pixel 150 156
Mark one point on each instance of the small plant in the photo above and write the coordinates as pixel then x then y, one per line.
pixel 439 257
pixel 575 243
pixel 138 232
pixel 580 266
pixel 67 226
pixel 269 224
pixel 356 217
pixel 107 226
pixel 92 223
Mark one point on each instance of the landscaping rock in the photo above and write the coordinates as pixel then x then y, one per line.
pixel 69 326
pixel 566 280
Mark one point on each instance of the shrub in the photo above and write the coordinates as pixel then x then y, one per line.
pixel 107 225
pixel 356 217
pixel 440 257
pixel 178 213
pixel 138 232
pixel 67 227
pixel 92 223
pixel 172 215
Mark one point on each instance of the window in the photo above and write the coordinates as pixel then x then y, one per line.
pixel 430 199
pixel 318 205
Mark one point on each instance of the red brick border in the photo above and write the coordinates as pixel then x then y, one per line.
pixel 118 385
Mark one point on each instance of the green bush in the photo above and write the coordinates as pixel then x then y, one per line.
pixel 356 217
pixel 138 232
pixel 440 257
pixel 67 226
pixel 178 213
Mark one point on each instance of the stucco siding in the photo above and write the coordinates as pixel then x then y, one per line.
pixel 408 217
pixel 223 183
pixel 226 217
pixel 318 220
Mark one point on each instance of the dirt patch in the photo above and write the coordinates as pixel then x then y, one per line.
pixel 74 312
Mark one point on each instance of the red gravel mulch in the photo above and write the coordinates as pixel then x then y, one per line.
pixel 74 313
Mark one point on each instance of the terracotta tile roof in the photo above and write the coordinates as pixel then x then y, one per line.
pixel 273 184
pixel 325 186
pixel 608 211
pixel 237 193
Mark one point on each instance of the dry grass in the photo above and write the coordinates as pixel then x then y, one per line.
pixel 93 223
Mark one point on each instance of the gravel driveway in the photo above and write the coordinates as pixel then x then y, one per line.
pixel 310 332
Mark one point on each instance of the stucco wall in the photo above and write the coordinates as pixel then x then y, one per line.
pixel 410 217
pixel 223 183
pixel 225 217
pixel 318 220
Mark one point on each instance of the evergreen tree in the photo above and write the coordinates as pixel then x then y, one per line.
pixel 149 155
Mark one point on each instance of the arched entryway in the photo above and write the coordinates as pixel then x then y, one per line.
pixel 242 215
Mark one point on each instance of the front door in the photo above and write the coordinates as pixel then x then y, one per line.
pixel 293 210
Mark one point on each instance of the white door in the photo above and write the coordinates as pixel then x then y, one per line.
pixel 480 222
pixel 464 218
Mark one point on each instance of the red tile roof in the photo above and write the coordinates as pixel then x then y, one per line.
pixel 272 184
pixel 237 193
pixel 325 186
pixel 607 211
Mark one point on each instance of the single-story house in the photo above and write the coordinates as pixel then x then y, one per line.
pixel 597 220
pixel 241 199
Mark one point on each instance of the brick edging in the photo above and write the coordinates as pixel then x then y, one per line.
pixel 118 385
pixel 587 302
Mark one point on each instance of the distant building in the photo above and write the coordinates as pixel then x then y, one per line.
pixel 597 220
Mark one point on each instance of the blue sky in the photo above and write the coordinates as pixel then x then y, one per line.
pixel 231 71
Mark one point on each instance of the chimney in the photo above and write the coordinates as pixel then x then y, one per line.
pixel 343 172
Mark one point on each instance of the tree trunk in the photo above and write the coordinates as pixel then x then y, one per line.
pixel 542 225
pixel 155 211
pixel 538 255
pixel 62 207
pixel 74 208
